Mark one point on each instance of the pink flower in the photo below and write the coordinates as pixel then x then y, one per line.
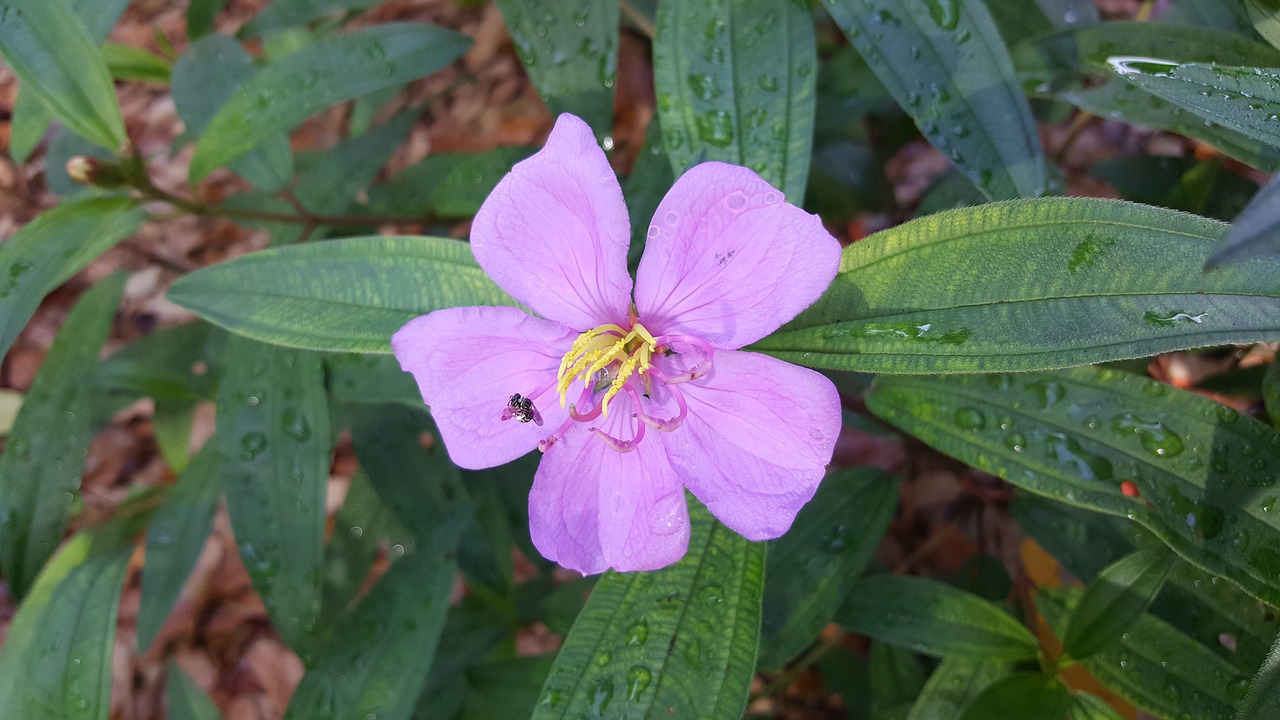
pixel 633 403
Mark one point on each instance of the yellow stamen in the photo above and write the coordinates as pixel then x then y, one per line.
pixel 604 348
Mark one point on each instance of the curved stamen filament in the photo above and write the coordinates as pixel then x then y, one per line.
pixel 622 446
pixel 607 352
pixel 661 424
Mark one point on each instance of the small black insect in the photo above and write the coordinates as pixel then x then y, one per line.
pixel 522 409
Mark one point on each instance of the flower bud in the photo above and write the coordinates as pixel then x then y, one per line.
pixel 83 169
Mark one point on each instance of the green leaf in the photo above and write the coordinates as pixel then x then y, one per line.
pixel 1271 391
pixel 173 422
pixel 56 659
pixel 421 486
pixel 345 169
pixel 676 642
pixel 284 93
pixel 570 50
pixel 186 701
pixel 896 677
pixel 286 14
pixel 1265 16
pixel 1230 15
pixel 447 184
pixel 201 15
pixel 56 59
pixel 946 65
pixel 847 673
pixel 1243 99
pixel 208 75
pixel 934 618
pixel 954 686
pixel 471 632
pixel 735 78
pixel 175 537
pixel 371 379
pixel 348 295
pixel 273 441
pixel 359 529
pixel 126 62
pixel 1263 699
pixel 1029 285
pixel 382 649
pixel 1036 697
pixel 1203 471
pixel 1155 667
pixel 1072 66
pixel 1255 232
pixel 180 363
pixel 44 457
pixel 28 123
pixel 506 689
pixel 811 569
pixel 649 182
pixel 53 247
pixel 1084 706
pixel 1115 600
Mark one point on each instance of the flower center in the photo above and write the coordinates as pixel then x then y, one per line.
pixel 607 356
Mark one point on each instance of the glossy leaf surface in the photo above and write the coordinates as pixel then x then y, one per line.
pixel 946 65
pixel 273 443
pixel 44 456
pixel 677 642
pixel 286 92
pixel 1030 285
pixel 1204 472
pixel 1113 601
pixel 735 79
pixel 348 295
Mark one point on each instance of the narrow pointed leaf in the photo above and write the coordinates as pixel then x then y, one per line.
pixel 811 569
pixel 1156 667
pixel 284 14
pixel 348 295
pixel 126 62
pixel 934 618
pixel 273 442
pixel 52 248
pixel 284 93
pixel 56 660
pixel 1115 600
pixel 570 50
pixel 946 64
pixel 382 649
pixel 56 59
pixel 1036 696
pixel 954 686
pixel 1263 699
pixel 1029 285
pixel 1084 706
pixel 1205 474
pixel 1255 232
pixel 347 168
pixel 201 15
pixel 677 642
pixel 186 701
pixel 44 456
pixel 359 529
pixel 175 537
pixel 1265 16
pixel 735 79
pixel 209 74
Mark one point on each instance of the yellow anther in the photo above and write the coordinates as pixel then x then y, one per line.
pixel 620 353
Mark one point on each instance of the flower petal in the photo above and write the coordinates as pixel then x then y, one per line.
pixel 728 261
pixel 593 508
pixel 468 361
pixel 554 232
pixel 756 441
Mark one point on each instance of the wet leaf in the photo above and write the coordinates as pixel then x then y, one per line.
pixel 570 50
pixel 348 295
pixel 273 442
pixel 946 64
pixel 954 686
pixel 1030 285
pixel 735 79
pixel 934 618
pixel 1202 470
pixel 1255 232
pixel 1118 597
pixel 284 93
pixel 186 701
pixel 676 642
pixel 44 456
pixel 1036 696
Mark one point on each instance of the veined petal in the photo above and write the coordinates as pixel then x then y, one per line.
pixel 728 261
pixel 757 440
pixel 554 232
pixel 593 508
pixel 468 361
